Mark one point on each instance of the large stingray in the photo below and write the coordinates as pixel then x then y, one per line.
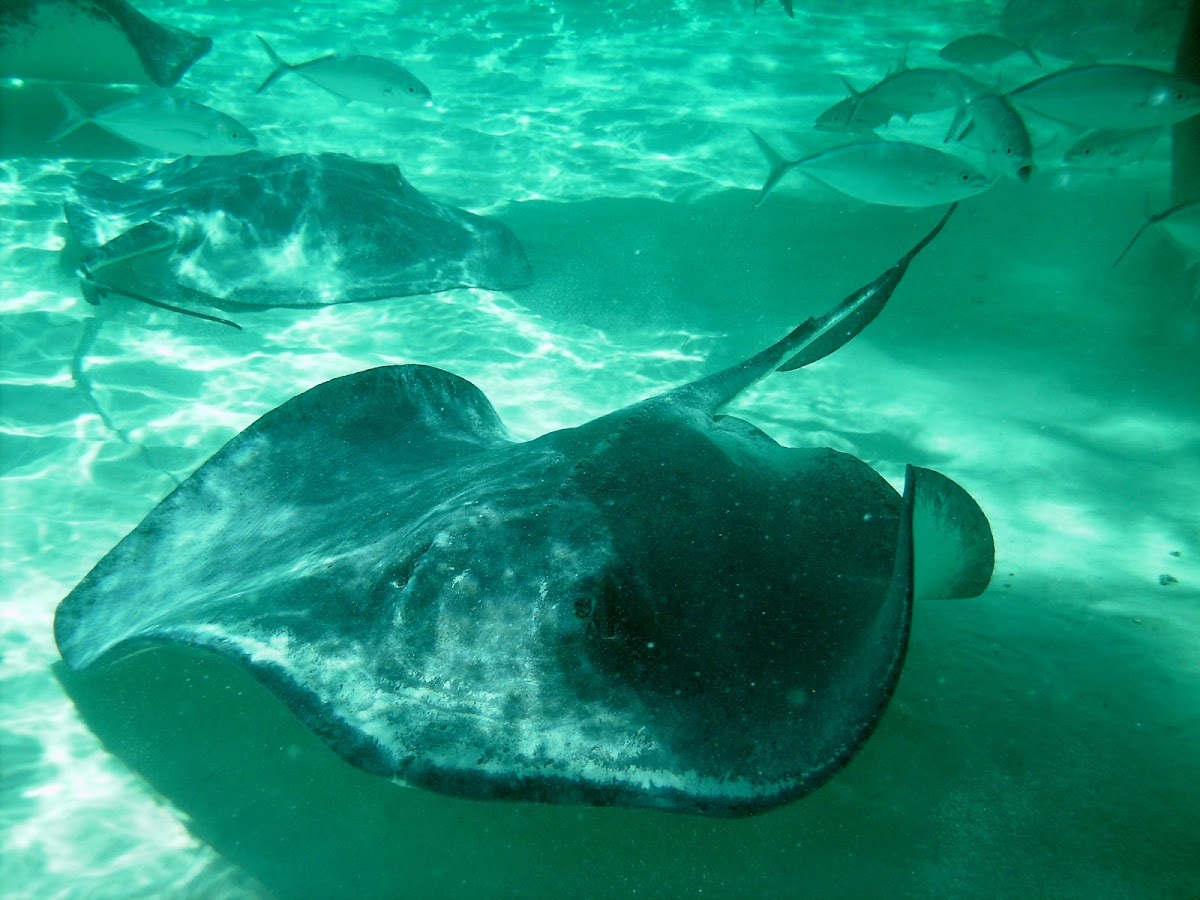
pixel 662 607
pixel 100 41
pixel 254 231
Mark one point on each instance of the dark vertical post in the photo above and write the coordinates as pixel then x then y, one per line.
pixel 1185 136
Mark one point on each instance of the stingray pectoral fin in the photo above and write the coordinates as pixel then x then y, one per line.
pixel 953 552
pixel 278 532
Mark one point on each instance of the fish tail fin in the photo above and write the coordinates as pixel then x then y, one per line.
pixel 779 167
pixel 1151 219
pixel 76 117
pixel 281 67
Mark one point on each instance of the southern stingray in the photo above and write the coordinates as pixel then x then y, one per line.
pixel 103 41
pixel 253 231
pixel 662 607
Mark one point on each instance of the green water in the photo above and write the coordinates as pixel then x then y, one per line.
pixel 1044 739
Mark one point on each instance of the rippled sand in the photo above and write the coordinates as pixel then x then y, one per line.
pixel 1045 738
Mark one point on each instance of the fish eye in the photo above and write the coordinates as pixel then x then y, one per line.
pixel 583 607
pixel 1008 151
pixel 411 89
pixel 1181 96
pixel 966 176
pixel 1087 151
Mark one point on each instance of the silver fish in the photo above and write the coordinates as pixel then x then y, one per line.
pixel 163 123
pixel 1111 148
pixel 357 77
pixel 990 124
pixel 1106 96
pixel 853 115
pixel 908 92
pixel 984 50
pixel 890 173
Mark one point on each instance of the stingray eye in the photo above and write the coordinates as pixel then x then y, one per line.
pixel 583 607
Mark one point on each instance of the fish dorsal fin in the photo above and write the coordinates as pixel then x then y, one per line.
pixel 953 552
pixel 813 339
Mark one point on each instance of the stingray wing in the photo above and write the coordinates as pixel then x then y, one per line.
pixel 286 519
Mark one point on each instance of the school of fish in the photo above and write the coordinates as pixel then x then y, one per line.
pixel 1110 114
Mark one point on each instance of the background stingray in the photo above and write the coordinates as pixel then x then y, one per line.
pixel 255 231
pixel 101 41
pixel 662 607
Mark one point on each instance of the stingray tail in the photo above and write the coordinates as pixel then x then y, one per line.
pixel 281 67
pixel 76 117
pixel 94 291
pixel 821 336
pixel 91 331
pixel 813 339
pixel 779 167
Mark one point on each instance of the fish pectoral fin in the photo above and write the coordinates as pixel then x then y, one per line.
pixel 953 552
pixel 962 125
